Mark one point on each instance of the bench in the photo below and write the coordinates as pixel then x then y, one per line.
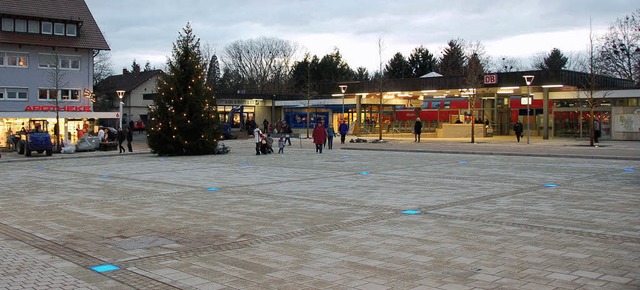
pixel 106 146
pixel 276 136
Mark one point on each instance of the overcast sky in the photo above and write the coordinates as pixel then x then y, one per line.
pixel 145 30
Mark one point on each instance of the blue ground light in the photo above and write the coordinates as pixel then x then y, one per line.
pixel 550 185
pixel 464 161
pixel 244 164
pixel 213 189
pixel 40 168
pixel 411 211
pixel 104 176
pixel 105 268
pixel 363 172
pixel 629 170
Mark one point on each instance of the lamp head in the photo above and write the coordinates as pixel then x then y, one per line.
pixel 343 88
pixel 528 79
pixel 120 93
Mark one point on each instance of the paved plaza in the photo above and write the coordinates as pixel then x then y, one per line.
pixel 446 214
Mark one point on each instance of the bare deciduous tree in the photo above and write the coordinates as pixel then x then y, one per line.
pixel 102 66
pixel 619 51
pixel 263 63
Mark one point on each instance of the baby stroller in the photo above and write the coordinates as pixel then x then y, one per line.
pixel 266 143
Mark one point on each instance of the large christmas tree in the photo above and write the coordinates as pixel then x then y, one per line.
pixel 183 118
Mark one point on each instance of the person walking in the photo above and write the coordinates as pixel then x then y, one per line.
pixel 287 132
pixel 330 134
pixel 129 138
pixel 258 137
pixel 121 138
pixel 319 136
pixel 517 128
pixel 281 145
pixel 417 130
pixel 596 130
pixel 265 123
pixel 343 129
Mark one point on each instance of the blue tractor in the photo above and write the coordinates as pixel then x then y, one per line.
pixel 35 139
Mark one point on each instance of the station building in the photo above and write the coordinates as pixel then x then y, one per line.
pixel 558 108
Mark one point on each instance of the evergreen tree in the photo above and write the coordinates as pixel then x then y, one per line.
pixel 184 114
pixel 398 67
pixel 554 61
pixel 147 66
pixel 422 62
pixel 362 74
pixel 333 68
pixel 135 66
pixel 213 75
pixel 453 59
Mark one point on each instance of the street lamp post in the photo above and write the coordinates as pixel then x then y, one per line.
pixel 528 79
pixel 120 95
pixel 343 89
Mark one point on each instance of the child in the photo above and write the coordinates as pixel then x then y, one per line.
pixel 281 145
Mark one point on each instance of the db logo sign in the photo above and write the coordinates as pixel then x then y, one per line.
pixel 491 79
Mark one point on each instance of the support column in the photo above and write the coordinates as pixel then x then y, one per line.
pixel 545 113
pixel 358 115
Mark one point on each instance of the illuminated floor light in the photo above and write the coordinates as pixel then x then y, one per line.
pixel 629 170
pixel 244 164
pixel 411 211
pixel 345 156
pixel 464 161
pixel 213 189
pixel 105 268
pixel 549 185
pixel 104 176
pixel 40 168
pixel 363 172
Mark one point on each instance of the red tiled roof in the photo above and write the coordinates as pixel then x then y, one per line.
pixel 89 34
pixel 127 82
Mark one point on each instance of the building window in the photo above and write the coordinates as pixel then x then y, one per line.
pixel 14 59
pixel 13 94
pixel 34 26
pixel 20 25
pixel 63 94
pixel 47 27
pixel 70 95
pixel 7 24
pixel 58 28
pixel 72 30
pixel 65 62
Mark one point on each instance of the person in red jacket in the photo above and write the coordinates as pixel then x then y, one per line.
pixel 319 136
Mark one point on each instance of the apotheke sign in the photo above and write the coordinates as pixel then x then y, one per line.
pixel 60 109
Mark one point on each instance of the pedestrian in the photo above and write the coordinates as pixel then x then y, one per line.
pixel 281 145
pixel 258 137
pixel 596 130
pixel 343 129
pixel 417 130
pixel 266 125
pixel 288 132
pixel 517 128
pixel 121 138
pixel 101 135
pixel 330 134
pixel 319 136
pixel 129 138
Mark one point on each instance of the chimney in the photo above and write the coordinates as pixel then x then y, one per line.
pixel 125 71
pixel 136 70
